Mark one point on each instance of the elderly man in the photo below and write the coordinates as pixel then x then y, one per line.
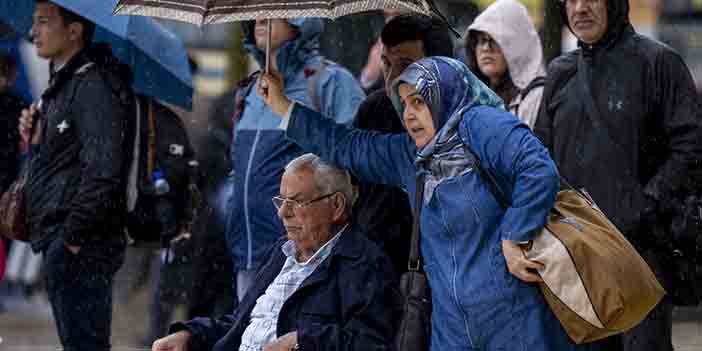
pixel 324 287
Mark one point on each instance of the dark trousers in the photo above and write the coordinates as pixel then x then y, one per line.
pixel 80 292
pixel 654 333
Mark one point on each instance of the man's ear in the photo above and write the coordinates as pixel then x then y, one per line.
pixel 340 206
pixel 75 30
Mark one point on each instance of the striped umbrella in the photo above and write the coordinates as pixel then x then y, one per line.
pixel 202 12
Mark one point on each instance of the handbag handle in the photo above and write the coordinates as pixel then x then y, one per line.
pixel 415 258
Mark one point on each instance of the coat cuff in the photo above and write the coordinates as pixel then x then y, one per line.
pixel 513 220
pixel 196 341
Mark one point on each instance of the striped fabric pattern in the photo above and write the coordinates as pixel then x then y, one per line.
pixel 202 12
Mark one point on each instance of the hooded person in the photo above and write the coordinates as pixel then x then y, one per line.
pixel 482 296
pixel 621 118
pixel 504 50
pixel 259 151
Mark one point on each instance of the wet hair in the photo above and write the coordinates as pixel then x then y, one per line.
pixel 8 65
pixel 69 17
pixel 433 33
pixel 327 177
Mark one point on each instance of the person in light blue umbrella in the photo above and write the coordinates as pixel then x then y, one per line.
pixel 483 288
pixel 78 154
pixel 259 150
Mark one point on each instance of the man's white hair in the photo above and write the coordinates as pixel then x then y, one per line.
pixel 327 177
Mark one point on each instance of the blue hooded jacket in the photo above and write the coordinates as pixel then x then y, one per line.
pixel 477 303
pixel 260 151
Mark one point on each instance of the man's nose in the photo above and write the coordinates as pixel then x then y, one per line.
pixel 285 211
pixel 580 5
pixel 409 115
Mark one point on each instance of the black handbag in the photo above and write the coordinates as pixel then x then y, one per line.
pixel 414 328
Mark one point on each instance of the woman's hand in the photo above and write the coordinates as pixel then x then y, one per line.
pixel 517 263
pixel 270 87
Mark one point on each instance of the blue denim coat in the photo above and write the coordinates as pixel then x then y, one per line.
pixel 477 303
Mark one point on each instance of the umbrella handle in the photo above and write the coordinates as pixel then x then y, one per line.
pixel 268 45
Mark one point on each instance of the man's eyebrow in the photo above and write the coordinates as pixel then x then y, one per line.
pixel 294 197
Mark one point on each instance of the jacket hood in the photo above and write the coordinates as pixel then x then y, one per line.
pixel 293 55
pixel 617 21
pixel 509 24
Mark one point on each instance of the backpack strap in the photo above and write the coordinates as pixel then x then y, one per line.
pixel 243 90
pixel 539 81
pixel 151 144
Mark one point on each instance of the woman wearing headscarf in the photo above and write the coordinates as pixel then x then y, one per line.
pixel 504 50
pixel 482 285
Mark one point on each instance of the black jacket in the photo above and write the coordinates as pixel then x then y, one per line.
pixel 651 122
pixel 77 182
pixel 384 211
pixel 347 303
pixel 10 109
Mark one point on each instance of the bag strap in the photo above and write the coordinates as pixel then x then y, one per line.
pixel 539 81
pixel 415 259
pixel 151 145
pixel 243 90
pixel 494 188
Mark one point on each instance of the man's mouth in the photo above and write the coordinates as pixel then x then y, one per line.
pixel 584 23
pixel 292 229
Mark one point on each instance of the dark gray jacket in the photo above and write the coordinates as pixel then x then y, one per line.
pixel 76 186
pixel 650 116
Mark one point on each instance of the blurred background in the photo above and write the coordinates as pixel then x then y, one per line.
pixel 25 319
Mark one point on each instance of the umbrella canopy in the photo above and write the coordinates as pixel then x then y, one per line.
pixel 156 56
pixel 217 11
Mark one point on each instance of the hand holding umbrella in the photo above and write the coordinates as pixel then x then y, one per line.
pixel 270 87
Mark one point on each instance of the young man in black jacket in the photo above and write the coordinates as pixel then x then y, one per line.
pixel 79 155
pixel 621 118
pixel 384 211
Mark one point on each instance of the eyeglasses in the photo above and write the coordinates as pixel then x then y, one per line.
pixel 279 202
pixel 485 40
